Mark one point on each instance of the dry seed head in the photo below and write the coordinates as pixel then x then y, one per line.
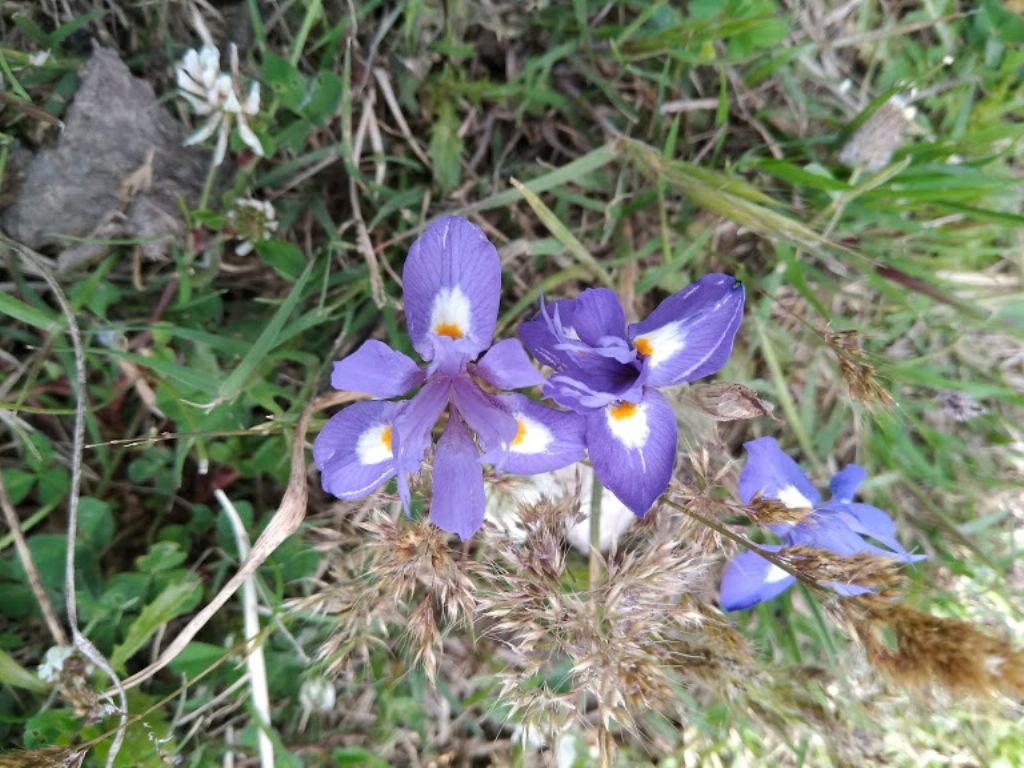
pixel 424 637
pixel 49 757
pixel 856 371
pixel 764 512
pixel 929 650
pixel 883 575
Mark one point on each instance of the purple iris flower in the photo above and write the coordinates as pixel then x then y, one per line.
pixel 611 374
pixel 838 525
pixel 452 284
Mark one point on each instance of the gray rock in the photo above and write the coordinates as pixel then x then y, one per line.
pixel 118 170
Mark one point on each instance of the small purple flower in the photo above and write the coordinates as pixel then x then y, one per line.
pixel 452 282
pixel 611 374
pixel 838 525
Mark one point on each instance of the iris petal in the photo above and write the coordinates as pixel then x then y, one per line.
pixel 691 333
pixel 452 285
pixel 749 579
pixel 376 369
pixel 545 439
pixel 633 449
pixel 844 485
pixel 354 451
pixel 774 475
pixel 457 504
pixel 507 366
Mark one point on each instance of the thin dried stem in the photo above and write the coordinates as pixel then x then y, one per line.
pixel 31 572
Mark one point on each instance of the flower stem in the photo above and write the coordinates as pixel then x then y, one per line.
pixel 596 492
pixel 204 198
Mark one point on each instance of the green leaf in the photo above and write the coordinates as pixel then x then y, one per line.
pixel 18 483
pixel 196 381
pixel 162 556
pixel 1006 25
pixel 446 148
pixel 284 80
pixel 54 727
pixel 13 674
pixel 257 354
pixel 197 657
pixel 562 234
pixel 26 313
pixel 286 258
pixel 325 96
pixel 95 523
pixel 175 600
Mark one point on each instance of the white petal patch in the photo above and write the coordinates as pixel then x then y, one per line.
pixel 775 574
pixel 661 344
pixel 374 445
pixel 449 315
pixel 792 498
pixel 628 423
pixel 532 437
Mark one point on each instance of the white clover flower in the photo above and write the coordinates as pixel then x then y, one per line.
pixel 39 58
pixel 252 221
pixel 53 663
pixel 218 96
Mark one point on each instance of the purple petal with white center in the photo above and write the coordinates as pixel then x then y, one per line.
pixel 633 449
pixel 413 425
pixel 545 439
pixel 484 412
pixel 690 334
pixel 844 485
pixel 354 450
pixel 598 316
pixel 774 475
pixel 507 366
pixel 458 500
pixel 376 369
pixel 452 285
pixel 749 579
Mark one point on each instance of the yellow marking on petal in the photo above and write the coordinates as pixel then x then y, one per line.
pixel 520 432
pixel 643 347
pixel 622 411
pixel 451 330
pixel 385 437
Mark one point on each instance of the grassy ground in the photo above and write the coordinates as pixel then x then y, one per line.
pixel 656 142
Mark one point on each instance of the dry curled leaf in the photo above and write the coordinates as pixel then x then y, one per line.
pixel 725 401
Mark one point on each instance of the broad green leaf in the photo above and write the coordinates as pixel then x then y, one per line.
pixel 173 601
pixel 95 523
